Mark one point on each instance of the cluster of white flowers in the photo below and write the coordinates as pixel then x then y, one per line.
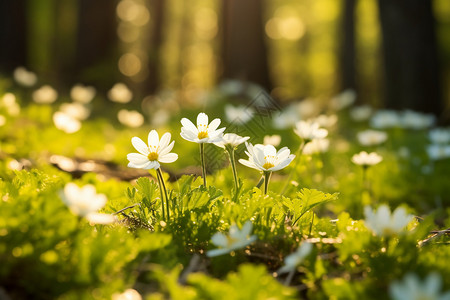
pixel 366 159
pixel 371 137
pixel 130 118
pixel 313 136
pixel 407 119
pixel 440 147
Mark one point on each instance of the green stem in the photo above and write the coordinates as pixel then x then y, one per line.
pixel 260 182
pixel 233 167
pixel 266 181
pixel 165 191
pixel 162 196
pixel 202 156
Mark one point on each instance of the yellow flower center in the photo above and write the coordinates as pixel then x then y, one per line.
pixel 269 162
pixel 202 135
pixel 268 165
pixel 152 156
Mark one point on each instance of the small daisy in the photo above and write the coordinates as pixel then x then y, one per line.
pixel 236 239
pixel 293 260
pixel 412 288
pixel 366 159
pixel 85 202
pixel 383 223
pixel 309 131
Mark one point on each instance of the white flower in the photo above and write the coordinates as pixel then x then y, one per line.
pixel 129 294
pixel 45 95
pixel 65 122
pixel 236 239
pixel 203 132
pixel 293 260
pixel 9 102
pixel 439 135
pixel 361 113
pixel 286 118
pixel 316 146
pixel 382 223
pixel 24 77
pixel 310 130
pixel 364 159
pixel 120 93
pixel 239 115
pixel 85 202
pixel 437 151
pixel 371 137
pixel 384 119
pixel 231 139
pixel 412 288
pixel 2 120
pixel 416 120
pixel 75 110
pixel 266 158
pixel 157 151
pixel 274 140
pixel 343 100
pixel 326 121
pixel 82 94
pixel 130 118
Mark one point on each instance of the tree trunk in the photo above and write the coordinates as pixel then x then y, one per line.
pixel 348 53
pixel 96 41
pixel 244 50
pixel 12 35
pixel 412 75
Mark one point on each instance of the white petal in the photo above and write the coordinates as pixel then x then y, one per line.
pixel 167 149
pixel 189 126
pixel 214 124
pixel 202 119
pixel 283 164
pixel 140 146
pixel 100 218
pixel 217 252
pixel 168 158
pixel 247 228
pixel 248 164
pixel 270 150
pixel 165 140
pixel 187 136
pixel 153 138
pixel 137 158
pixel 219 239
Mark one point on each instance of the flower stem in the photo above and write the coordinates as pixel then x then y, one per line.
pixel 202 156
pixel 165 191
pixel 233 167
pixel 266 181
pixel 260 182
pixel 162 197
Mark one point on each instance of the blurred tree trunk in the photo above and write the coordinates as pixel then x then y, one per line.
pixel 347 49
pixel 153 82
pixel 13 34
pixel 412 75
pixel 244 50
pixel 96 41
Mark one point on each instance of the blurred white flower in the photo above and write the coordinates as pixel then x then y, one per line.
pixel 236 239
pixel 309 131
pixel 2 120
pixel 439 135
pixel 438 151
pixel 293 260
pixel 343 100
pixel 326 121
pixel 412 288
pixel 416 120
pixel 231 139
pixel 361 113
pixel 383 223
pixel 203 132
pixel 316 146
pixel 9 102
pixel 45 95
pixel 273 140
pixel 130 118
pixel 364 159
pixel 285 118
pixel 82 94
pixel 306 108
pixel 383 119
pixel 75 110
pixel 24 77
pixel 371 137
pixel 120 93
pixel 85 202
pixel 65 122
pixel 129 294
pixel 266 158
pixel 238 115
